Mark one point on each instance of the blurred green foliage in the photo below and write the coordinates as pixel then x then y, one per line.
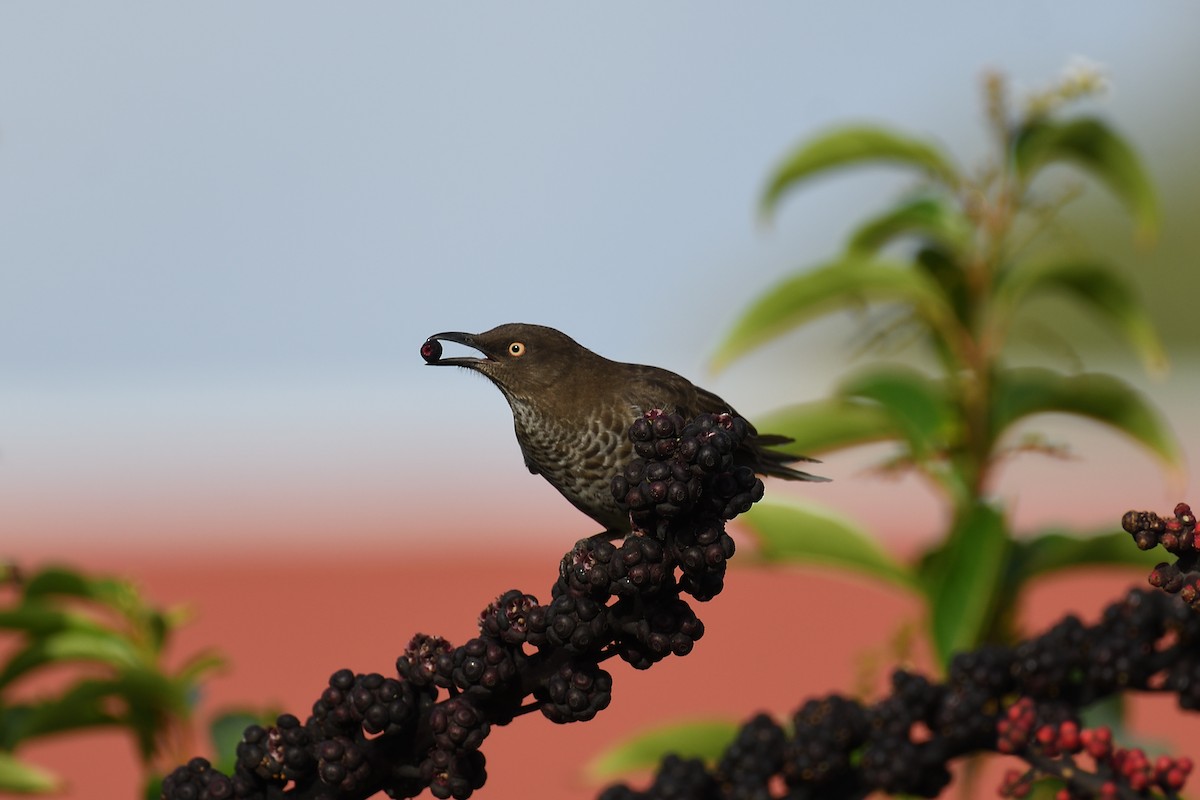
pixel 95 651
pixel 958 260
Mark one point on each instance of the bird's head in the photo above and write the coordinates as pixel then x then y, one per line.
pixel 521 359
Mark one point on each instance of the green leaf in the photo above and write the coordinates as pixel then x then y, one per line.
pixel 147 622
pixel 918 404
pixel 1110 711
pixel 142 700
pixel 62 581
pixel 925 217
pixel 58 580
pixel 1098 149
pixel 963 578
pixel 198 665
pixel 1024 391
pixel 86 704
pixel 705 739
pixel 1095 286
pixel 1048 788
pixel 13 717
pixel 19 777
pixel 1054 551
pixel 852 145
pixel 945 270
pixel 152 789
pixel 41 619
pixel 99 646
pixel 835 286
pixel 831 424
pixel 153 702
pixel 788 533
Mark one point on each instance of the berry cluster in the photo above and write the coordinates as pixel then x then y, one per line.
pixel 343 764
pixel 894 759
pixel 828 731
pixel 276 753
pixel 200 781
pixel 507 619
pixel 755 755
pixel 423 728
pixel 576 693
pixel 454 767
pixel 371 702
pixel 1053 750
pixel 903 744
pixel 686 468
pixel 1178 537
pixel 667 627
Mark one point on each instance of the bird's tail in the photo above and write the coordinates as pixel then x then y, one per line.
pixel 768 461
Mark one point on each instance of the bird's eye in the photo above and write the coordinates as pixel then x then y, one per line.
pixel 516 349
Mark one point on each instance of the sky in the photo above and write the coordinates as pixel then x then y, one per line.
pixel 226 228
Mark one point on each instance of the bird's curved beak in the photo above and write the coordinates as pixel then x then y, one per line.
pixel 434 359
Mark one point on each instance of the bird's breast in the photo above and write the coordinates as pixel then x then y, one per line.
pixel 578 455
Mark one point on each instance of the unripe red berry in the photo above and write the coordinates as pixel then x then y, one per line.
pixel 1068 736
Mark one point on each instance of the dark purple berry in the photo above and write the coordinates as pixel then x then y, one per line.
pixel 431 351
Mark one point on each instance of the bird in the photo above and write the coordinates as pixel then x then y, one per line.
pixel 572 409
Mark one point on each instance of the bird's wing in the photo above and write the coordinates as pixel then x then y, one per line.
pixel 713 404
pixel 650 387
